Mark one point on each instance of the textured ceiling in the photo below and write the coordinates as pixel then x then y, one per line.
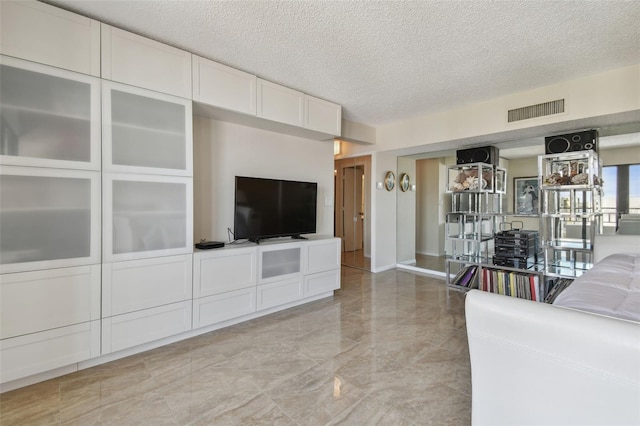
pixel 385 61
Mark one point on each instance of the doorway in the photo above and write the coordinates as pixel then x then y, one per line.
pixel 352 210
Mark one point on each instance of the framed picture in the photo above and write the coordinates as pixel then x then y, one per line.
pixel 525 199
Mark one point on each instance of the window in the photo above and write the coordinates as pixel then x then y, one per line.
pixel 634 189
pixel 610 196
pixel 621 192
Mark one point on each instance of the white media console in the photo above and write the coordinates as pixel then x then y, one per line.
pixel 153 302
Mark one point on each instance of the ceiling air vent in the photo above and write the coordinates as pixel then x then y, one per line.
pixel 533 111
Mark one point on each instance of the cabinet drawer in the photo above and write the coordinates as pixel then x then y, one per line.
pixel 221 307
pixel 42 300
pixel 321 283
pixel 139 61
pixel 279 293
pixel 35 353
pixel 141 284
pixel 129 330
pixel 219 272
pixel 322 256
pixel 224 87
pixel 42 33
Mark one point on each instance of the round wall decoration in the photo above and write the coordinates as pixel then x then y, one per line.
pixel 389 181
pixel 404 183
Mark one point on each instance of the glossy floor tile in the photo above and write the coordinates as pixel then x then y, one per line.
pixel 356 259
pixel 385 350
pixel 431 263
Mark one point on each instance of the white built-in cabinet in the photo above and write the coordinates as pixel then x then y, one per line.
pixel 224 285
pixel 280 274
pixel 96 195
pixel 48 319
pixel 138 61
pixel 227 94
pixel 50 218
pixel 280 103
pixel 223 87
pixel 49 117
pixel 284 105
pixel 147 222
pixel 248 281
pixel 322 267
pixel 146 216
pixel 145 300
pixel 322 116
pixel 36 353
pixel 48 35
pixel 50 189
pixel 145 131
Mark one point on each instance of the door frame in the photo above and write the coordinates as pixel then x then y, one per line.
pixel 364 161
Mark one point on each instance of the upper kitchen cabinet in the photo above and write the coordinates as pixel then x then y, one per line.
pixel 322 116
pixel 146 131
pixel 138 61
pixel 223 87
pixel 279 103
pixel 49 117
pixel 42 33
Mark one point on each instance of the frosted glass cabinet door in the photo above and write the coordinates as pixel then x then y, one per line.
pixel 146 216
pixel 146 132
pixel 49 218
pixel 48 117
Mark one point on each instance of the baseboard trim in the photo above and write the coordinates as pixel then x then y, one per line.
pixel 422 271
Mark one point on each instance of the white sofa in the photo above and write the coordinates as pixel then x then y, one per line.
pixel 539 364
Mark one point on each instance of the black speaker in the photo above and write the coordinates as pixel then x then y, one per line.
pixel 483 154
pixel 578 141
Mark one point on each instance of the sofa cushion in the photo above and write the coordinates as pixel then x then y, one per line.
pixel 611 287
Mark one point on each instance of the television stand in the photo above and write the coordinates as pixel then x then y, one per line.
pixel 298 237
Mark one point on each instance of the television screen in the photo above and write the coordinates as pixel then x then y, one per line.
pixel 268 208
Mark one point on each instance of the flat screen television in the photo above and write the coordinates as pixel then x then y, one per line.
pixel 270 208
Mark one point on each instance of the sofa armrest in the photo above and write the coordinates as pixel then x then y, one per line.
pixel 533 363
pixel 606 245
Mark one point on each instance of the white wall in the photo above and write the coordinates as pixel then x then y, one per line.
pixel 406 223
pixel 600 95
pixel 618 156
pixel 384 208
pixel 225 150
pixel 597 100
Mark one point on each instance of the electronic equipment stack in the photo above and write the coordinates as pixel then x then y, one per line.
pixel 517 248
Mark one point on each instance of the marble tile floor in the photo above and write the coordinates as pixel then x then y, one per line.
pixel 356 259
pixel 384 350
